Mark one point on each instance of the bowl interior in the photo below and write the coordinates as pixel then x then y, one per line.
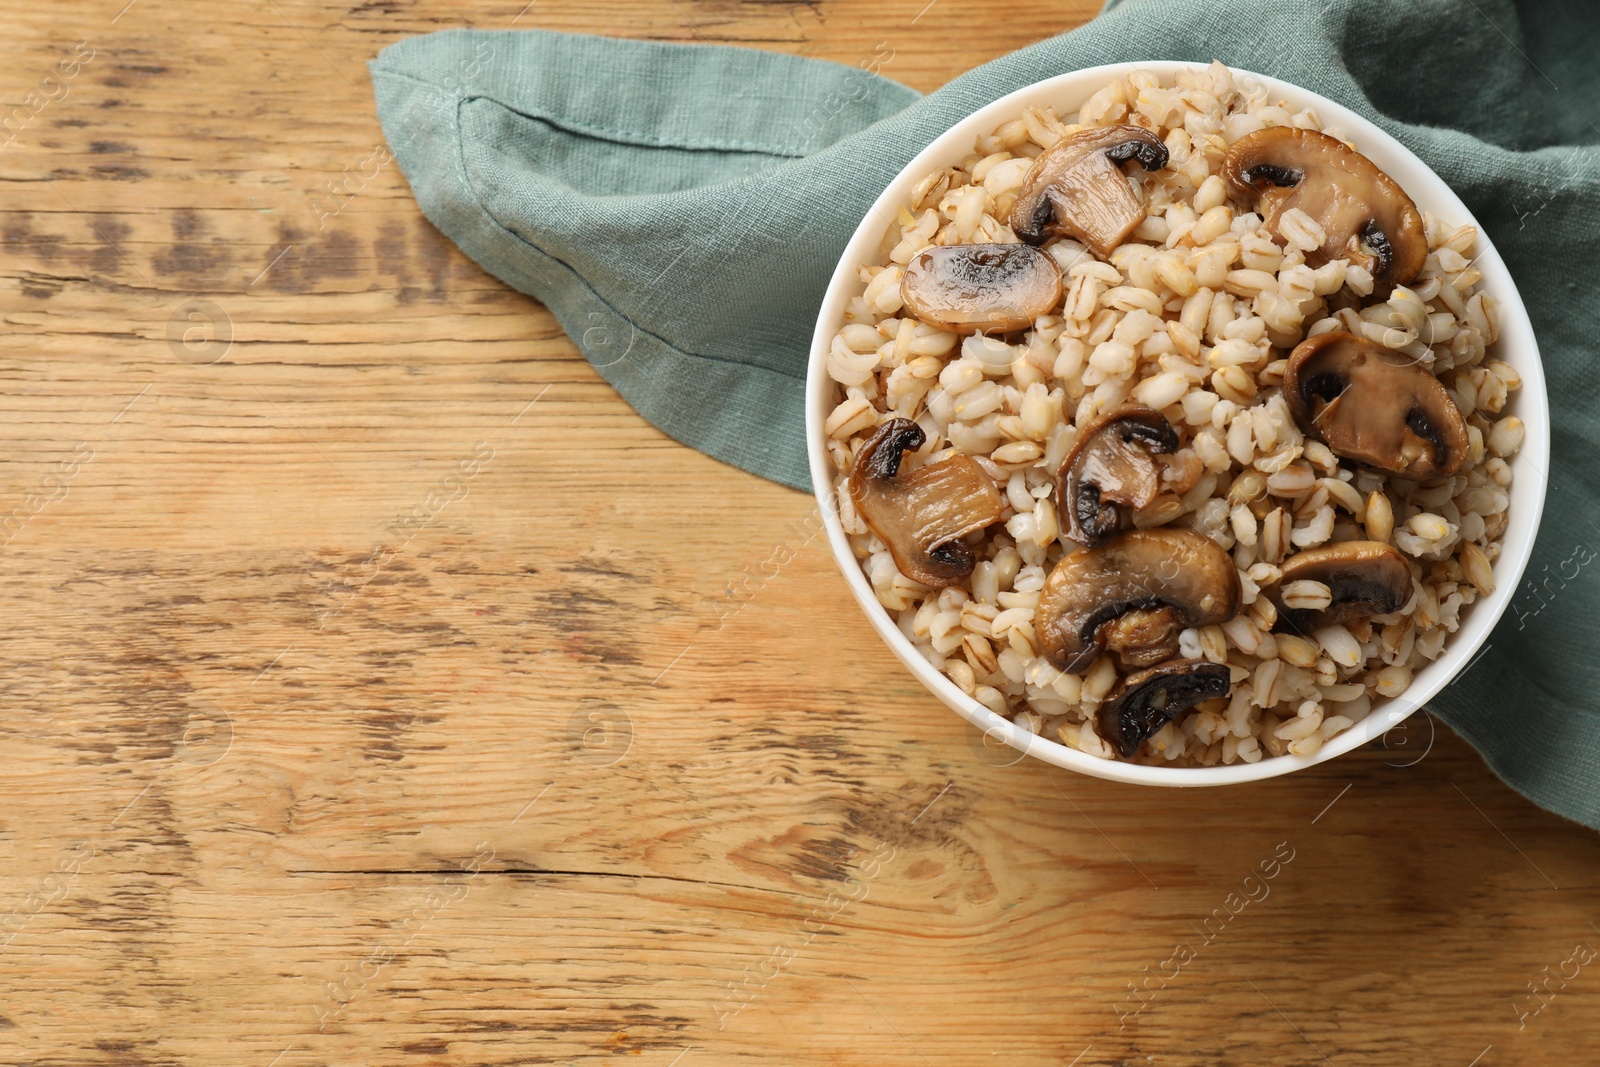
pixel 1516 345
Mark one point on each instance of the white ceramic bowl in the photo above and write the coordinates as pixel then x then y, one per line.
pixel 1516 346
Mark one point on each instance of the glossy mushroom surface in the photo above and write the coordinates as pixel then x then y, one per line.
pixel 1077 189
pixel 1374 405
pixel 1112 469
pixel 1146 701
pixel 1354 202
pixel 1180 577
pixel 983 288
pixel 922 514
pixel 1364 578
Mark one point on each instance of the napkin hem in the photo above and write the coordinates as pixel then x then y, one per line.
pixel 522 242
pixel 611 133
pixel 580 309
pixel 500 226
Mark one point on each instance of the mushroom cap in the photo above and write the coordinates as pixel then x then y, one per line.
pixel 982 288
pixel 1146 701
pixel 923 514
pixel 1372 404
pixel 1111 464
pixel 1365 578
pixel 1075 187
pixel 1138 570
pixel 1285 167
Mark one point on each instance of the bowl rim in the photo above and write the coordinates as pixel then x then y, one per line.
pixel 1516 345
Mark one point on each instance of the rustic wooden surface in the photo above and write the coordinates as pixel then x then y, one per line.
pixel 290 784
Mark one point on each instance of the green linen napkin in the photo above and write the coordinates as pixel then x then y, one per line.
pixel 681 207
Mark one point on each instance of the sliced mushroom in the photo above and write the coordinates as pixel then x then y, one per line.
pixel 981 288
pixel 1364 578
pixel 1179 576
pixel 1112 464
pixel 1075 188
pixel 1148 700
pixel 1355 203
pixel 1372 404
pixel 922 515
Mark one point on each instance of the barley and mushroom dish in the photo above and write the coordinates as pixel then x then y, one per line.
pixel 1173 430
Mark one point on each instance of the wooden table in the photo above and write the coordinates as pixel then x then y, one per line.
pixel 366 703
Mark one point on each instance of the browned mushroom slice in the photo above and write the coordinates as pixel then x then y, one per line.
pixel 1363 578
pixel 1112 464
pixel 1148 700
pixel 1372 404
pixel 981 288
pixel 923 515
pixel 1176 575
pixel 1076 188
pixel 1355 203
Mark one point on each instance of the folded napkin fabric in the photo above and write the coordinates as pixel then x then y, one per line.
pixel 680 209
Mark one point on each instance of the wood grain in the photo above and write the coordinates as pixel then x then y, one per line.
pixel 326 751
